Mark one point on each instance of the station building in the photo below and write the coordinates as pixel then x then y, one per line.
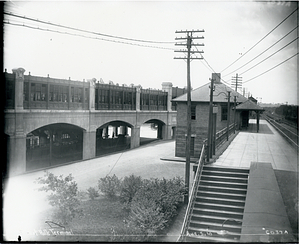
pixel 200 99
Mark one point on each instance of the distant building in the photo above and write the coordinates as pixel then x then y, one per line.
pixel 253 99
pixel 200 99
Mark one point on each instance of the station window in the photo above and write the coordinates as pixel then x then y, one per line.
pixel 224 113
pixel 193 112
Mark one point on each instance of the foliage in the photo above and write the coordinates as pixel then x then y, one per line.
pixel 289 112
pixel 127 233
pixel 93 193
pixel 155 203
pixel 129 187
pixel 63 196
pixel 109 185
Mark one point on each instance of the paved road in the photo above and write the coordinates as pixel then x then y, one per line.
pixel 22 201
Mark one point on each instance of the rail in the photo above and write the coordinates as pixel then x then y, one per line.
pixel 193 192
pixel 296 137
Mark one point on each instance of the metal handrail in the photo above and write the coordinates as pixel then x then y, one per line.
pixel 193 192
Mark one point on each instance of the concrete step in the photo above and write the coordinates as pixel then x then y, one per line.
pixel 209 188
pixel 226 174
pixel 216 219
pixel 222 195
pixel 224 179
pixel 225 169
pixel 219 206
pixel 219 213
pixel 210 239
pixel 208 182
pixel 232 202
pixel 216 226
pixel 212 234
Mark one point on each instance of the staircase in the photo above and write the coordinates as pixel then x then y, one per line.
pixel 218 205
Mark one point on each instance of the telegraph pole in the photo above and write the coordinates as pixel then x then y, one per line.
pixel 210 119
pixel 228 114
pixel 189 43
pixel 237 82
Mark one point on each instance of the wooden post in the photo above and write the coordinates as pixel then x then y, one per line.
pixel 188 138
pixel 228 115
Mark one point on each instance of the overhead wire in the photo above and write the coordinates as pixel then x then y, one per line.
pixel 211 67
pixel 261 39
pixel 269 56
pixel 86 31
pixel 84 36
pixel 263 51
pixel 271 68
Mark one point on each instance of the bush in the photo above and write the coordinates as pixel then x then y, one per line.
pixel 129 187
pixel 155 203
pixel 93 193
pixel 147 215
pixel 64 195
pixel 109 185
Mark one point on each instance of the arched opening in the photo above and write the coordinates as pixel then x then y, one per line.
pixel 113 137
pixel 151 130
pixel 52 145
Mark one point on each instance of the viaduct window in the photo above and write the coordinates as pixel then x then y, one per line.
pixel 58 93
pixel 25 93
pixel 38 92
pixel 76 94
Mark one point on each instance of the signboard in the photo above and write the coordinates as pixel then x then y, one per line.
pixel 215 109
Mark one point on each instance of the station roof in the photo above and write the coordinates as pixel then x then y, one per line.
pixel 249 106
pixel 202 94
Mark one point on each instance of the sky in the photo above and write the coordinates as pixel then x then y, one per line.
pixel 234 34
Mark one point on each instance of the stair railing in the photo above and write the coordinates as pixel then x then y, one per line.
pixel 192 195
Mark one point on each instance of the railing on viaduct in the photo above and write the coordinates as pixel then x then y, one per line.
pixel 63 94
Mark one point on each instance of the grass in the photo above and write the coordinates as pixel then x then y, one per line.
pixel 289 188
pixel 99 217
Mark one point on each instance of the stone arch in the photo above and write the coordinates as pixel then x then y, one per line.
pixel 113 136
pixel 158 125
pixel 35 123
pixel 53 144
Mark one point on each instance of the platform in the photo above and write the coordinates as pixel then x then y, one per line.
pixel 265 146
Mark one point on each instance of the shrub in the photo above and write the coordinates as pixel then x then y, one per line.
pixel 129 187
pixel 64 195
pixel 93 193
pixel 109 185
pixel 147 215
pixel 155 203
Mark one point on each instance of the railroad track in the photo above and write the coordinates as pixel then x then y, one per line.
pixel 289 132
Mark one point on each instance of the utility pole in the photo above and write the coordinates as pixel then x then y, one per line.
pixel 228 114
pixel 189 43
pixel 210 119
pixel 237 82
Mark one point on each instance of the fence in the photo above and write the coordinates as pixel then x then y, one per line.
pixel 192 195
